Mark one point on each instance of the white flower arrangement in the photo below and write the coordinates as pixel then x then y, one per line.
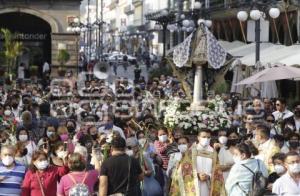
pixel 214 117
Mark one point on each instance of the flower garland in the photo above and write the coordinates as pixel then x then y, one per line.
pixel 214 117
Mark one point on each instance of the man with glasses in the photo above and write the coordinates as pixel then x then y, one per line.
pixel 281 112
pixel 289 183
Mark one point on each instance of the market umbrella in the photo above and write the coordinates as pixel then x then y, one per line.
pixel 273 73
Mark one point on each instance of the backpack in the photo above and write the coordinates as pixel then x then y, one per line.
pixel 259 182
pixel 79 189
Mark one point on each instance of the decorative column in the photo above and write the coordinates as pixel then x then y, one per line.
pixel 198 89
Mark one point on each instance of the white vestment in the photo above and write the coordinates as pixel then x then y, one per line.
pixel 204 165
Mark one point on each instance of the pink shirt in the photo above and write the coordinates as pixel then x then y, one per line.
pixel 66 183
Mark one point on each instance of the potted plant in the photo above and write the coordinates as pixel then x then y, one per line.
pixel 62 57
pixel 12 49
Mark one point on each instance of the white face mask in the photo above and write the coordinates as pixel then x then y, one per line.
pixel 294 168
pixel 62 154
pixel 41 165
pixel 163 138
pixel 142 142
pixel 7 160
pixel 237 159
pixel 99 114
pixel 23 138
pixel 7 112
pixel 204 141
pixel 223 140
pixel 279 169
pixel 129 152
pixel 182 148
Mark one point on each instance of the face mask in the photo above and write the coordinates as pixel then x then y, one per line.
pixel 232 142
pixel 142 142
pixel 294 168
pixel 71 129
pixel 108 126
pixel 182 148
pixel 293 144
pixel 94 136
pixel 41 165
pixel 64 137
pixel 279 169
pixel 223 140
pixel 297 114
pixel 7 112
pixel 236 123
pixel 23 138
pixel 49 133
pixel 204 141
pixel 62 154
pixel 99 114
pixel 163 138
pixel 7 160
pixel 237 159
pixel 129 152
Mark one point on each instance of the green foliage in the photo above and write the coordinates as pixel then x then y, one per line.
pixel 12 49
pixel 222 88
pixel 63 57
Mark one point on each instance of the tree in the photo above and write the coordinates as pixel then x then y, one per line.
pixel 12 49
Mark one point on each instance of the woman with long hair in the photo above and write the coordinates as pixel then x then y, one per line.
pixel 42 178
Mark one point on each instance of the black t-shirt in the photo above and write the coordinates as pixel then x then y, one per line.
pixel 116 169
pixel 273 177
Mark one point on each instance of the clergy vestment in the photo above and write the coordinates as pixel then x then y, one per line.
pixel 185 181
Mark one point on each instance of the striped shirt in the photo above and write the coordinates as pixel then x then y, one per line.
pixel 11 185
pixel 160 149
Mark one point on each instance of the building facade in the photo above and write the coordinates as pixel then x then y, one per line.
pixel 42 27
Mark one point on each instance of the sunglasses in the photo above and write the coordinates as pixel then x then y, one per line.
pixel 270 121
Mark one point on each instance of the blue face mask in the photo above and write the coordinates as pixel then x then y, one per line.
pixel 49 133
pixel 108 126
pixel 236 123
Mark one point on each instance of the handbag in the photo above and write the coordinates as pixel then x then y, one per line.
pixel 128 177
pixel 39 180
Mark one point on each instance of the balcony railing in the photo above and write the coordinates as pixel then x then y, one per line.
pixel 129 9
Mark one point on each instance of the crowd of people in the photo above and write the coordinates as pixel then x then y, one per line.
pixel 67 138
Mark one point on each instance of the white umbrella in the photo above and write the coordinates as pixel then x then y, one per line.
pixel 273 73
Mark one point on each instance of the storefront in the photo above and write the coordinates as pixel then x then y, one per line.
pixel 41 26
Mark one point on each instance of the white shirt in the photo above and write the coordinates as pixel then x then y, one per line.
pixel 285 185
pixel 46 67
pixel 284 115
pixel 225 158
pixel 21 73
